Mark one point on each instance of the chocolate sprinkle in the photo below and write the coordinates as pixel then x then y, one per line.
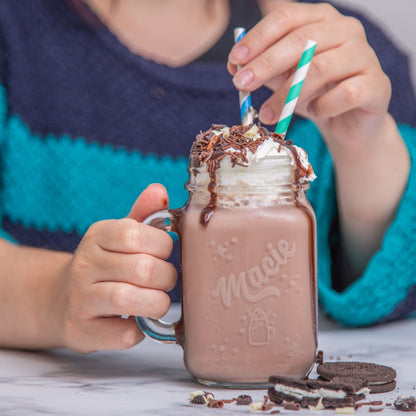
pixel 375 409
pixel 215 403
pixel 373 403
pixel 229 400
pixel 210 148
pixel 320 357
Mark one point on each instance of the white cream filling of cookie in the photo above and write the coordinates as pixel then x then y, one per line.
pixel 364 390
pixel 316 393
pixel 378 383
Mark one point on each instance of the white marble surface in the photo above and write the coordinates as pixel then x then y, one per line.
pixel 151 379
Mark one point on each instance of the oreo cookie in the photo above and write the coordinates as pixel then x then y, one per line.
pixel 313 392
pixel 380 378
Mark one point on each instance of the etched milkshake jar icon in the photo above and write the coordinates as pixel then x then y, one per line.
pixel 260 332
pixel 248 271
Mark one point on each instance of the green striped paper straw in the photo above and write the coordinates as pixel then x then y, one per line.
pixel 292 98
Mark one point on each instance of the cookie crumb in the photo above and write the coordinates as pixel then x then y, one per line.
pixel 243 399
pixel 291 406
pixel 405 403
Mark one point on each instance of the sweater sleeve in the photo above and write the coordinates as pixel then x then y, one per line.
pixel 387 288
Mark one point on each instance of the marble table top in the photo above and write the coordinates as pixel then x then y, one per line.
pixel 151 379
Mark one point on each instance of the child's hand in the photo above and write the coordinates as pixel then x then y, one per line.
pixel 119 268
pixel 345 92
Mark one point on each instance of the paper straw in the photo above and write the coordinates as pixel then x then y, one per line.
pixel 244 97
pixel 292 98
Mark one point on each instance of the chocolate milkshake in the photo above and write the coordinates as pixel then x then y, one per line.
pixel 248 259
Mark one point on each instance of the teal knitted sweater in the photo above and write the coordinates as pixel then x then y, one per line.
pixel 85 127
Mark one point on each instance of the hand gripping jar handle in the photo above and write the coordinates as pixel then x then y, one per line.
pixel 155 328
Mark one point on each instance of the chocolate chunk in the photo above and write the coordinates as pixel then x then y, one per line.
pixel 199 400
pixel 244 400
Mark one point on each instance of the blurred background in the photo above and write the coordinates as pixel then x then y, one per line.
pixel 396 18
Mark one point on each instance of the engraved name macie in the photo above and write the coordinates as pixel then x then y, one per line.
pixel 248 282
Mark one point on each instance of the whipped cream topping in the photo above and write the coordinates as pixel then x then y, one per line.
pixel 248 156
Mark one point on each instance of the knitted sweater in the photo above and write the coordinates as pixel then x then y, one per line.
pixel 85 126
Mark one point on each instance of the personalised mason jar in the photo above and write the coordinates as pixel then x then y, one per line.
pixel 248 260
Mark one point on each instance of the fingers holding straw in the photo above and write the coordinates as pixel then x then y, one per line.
pixel 247 113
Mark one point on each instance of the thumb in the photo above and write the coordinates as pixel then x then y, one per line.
pixel 152 199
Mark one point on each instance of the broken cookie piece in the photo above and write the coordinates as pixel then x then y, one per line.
pixel 313 392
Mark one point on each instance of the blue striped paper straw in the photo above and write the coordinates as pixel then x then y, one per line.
pixel 244 97
pixel 292 97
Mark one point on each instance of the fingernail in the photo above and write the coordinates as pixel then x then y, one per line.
pixel 267 115
pixel 238 54
pixel 243 78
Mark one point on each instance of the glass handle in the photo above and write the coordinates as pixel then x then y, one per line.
pixel 155 328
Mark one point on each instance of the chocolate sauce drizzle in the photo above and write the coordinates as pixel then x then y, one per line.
pixel 211 146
